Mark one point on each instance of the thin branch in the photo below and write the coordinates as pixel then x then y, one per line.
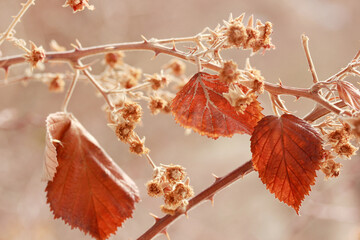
pixel 305 42
pixel 17 18
pixel 70 91
pixel 220 183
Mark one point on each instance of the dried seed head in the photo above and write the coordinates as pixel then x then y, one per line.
pixel 127 81
pixel 174 173
pixel 236 35
pixel 78 5
pixel 138 147
pixel 57 84
pixel 337 136
pixel 230 72
pixel 131 112
pixel 238 99
pixel 36 55
pixel 124 131
pixel 156 104
pixel 135 73
pixel 172 200
pixel 167 210
pixel 157 81
pixel 330 168
pixel 154 188
pixel 183 190
pixel 176 66
pixel 114 58
pixel 345 149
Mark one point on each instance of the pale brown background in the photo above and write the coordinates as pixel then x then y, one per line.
pixel 246 210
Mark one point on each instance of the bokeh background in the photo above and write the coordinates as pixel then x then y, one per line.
pixel 245 210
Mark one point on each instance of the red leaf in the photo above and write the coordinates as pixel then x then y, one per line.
pixel 349 94
pixel 89 191
pixel 286 152
pixel 200 105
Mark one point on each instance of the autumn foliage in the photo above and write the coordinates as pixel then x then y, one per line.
pixel 201 106
pixel 88 191
pixel 286 152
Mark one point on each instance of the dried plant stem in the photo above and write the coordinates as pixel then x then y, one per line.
pixel 220 183
pixel 99 88
pixel 161 224
pixel 79 53
pixel 70 91
pixel 305 42
pixel 17 18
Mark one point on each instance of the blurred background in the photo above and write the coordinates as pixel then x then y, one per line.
pixel 245 210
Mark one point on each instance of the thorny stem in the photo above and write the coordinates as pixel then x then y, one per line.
pixel 305 41
pixel 79 53
pixel 99 88
pixel 161 224
pixel 70 91
pixel 220 183
pixel 17 18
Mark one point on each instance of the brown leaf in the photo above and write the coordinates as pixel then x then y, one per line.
pixel 200 105
pixel 89 191
pixel 286 151
pixel 349 94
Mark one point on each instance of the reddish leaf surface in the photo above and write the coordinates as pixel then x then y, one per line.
pixel 89 191
pixel 200 105
pixel 286 151
pixel 349 94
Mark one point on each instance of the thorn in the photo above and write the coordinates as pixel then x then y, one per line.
pixel 144 38
pixel 187 181
pixel 164 231
pixel 230 18
pixel 174 47
pixel 6 74
pixel 216 177
pixel 247 63
pixel 155 217
pixel 250 21
pixel 78 43
pixel 241 17
pixel 156 53
pixel 211 199
pixel 280 82
pixel 186 214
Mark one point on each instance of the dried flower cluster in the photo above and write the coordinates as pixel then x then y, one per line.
pixel 78 5
pixel 35 55
pixel 169 181
pixel 235 34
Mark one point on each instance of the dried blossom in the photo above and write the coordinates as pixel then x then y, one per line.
pixel 345 149
pixel 330 168
pixel 157 81
pixel 57 84
pixel 230 72
pixel 238 99
pixel 36 55
pixel 154 188
pixel 78 5
pixel 138 147
pixel 124 131
pixel 131 112
pixel 176 66
pixel 114 59
pixel 174 173
pixel 156 104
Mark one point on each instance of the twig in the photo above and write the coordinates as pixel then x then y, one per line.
pixel 17 18
pixel 70 91
pixel 220 183
pixel 305 42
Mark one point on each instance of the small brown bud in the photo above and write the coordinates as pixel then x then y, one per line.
pixel 345 149
pixel 157 81
pixel 176 66
pixel 114 58
pixel 330 168
pixel 156 104
pixel 57 84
